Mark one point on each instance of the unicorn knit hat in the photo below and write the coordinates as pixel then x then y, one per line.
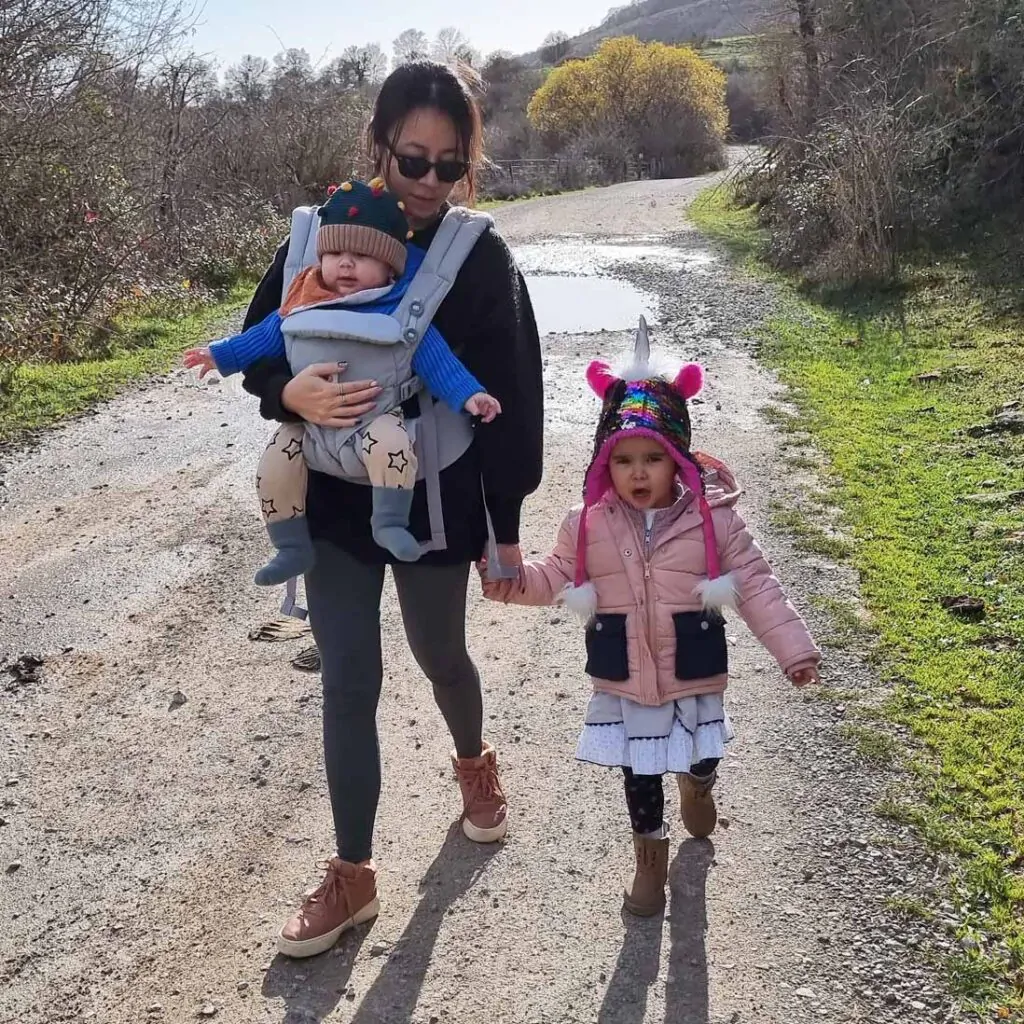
pixel 646 401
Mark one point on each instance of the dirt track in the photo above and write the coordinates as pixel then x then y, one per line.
pixel 160 847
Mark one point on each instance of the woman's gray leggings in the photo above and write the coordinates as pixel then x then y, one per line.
pixel 344 611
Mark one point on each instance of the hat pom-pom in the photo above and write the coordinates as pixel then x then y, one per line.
pixel 690 380
pixel 581 600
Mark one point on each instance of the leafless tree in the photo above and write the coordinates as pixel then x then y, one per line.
pixel 411 45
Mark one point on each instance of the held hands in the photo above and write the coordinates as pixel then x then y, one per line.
pixel 200 357
pixel 804 676
pixel 496 590
pixel 509 556
pixel 483 405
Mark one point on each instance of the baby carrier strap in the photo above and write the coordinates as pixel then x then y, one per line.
pixel 459 232
pixel 301 245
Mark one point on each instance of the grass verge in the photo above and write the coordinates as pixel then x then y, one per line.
pixel 907 395
pixel 40 394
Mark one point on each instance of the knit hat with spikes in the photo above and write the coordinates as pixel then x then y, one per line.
pixel 363 218
pixel 644 402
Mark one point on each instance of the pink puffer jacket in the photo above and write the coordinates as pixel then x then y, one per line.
pixel 650 640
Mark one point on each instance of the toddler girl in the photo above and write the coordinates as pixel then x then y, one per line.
pixel 649 561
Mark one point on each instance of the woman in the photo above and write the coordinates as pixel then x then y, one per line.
pixel 425 137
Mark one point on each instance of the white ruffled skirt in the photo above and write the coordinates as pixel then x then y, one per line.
pixel 654 740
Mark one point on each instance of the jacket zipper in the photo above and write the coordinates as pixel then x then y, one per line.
pixel 647 542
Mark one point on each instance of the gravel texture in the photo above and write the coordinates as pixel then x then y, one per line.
pixel 162 797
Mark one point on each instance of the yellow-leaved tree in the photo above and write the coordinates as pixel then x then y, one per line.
pixel 640 100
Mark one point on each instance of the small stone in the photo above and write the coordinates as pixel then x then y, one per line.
pixel 725 822
pixel 14 866
pixel 378 949
pixel 208 1010
pixel 13 780
pixel 178 700
pixel 154 1008
pixel 261 737
pixel 243 986
pixel 805 993
pixel 917 1005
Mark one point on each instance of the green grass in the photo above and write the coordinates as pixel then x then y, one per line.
pixel 811 538
pixel 732 49
pixel 929 511
pixel 908 907
pixel 40 394
pixel 872 744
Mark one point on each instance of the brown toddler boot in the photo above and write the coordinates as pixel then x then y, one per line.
pixel 697 803
pixel 646 897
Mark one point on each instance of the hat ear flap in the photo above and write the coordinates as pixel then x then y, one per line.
pixel 600 378
pixel 689 380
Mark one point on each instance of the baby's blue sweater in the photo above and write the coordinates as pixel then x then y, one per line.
pixel 434 362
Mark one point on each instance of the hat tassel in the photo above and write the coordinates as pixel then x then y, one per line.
pixel 580 596
pixel 718 591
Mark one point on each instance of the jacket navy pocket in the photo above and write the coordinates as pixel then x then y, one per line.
pixel 607 648
pixel 701 649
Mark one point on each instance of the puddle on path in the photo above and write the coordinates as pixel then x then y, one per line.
pixel 569 256
pixel 586 305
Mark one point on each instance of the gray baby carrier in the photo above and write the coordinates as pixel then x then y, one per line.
pixel 380 347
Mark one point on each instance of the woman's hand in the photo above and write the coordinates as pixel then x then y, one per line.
pixel 318 396
pixel 804 676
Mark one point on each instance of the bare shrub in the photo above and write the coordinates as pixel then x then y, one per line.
pixel 892 126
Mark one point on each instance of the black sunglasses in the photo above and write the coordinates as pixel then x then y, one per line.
pixel 417 167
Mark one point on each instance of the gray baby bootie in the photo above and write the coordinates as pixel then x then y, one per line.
pixel 390 522
pixel 294 552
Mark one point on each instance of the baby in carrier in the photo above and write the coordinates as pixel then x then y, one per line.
pixel 364 269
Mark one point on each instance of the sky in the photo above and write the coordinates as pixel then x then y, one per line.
pixel 227 29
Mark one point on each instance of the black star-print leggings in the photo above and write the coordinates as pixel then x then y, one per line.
pixel 645 796
pixel 344 595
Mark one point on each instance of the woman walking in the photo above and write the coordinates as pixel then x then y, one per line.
pixel 425 137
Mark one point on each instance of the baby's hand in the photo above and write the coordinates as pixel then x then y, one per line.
pixel 495 590
pixel 804 676
pixel 483 405
pixel 200 357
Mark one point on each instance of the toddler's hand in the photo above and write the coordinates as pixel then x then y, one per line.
pixel 483 405
pixel 200 357
pixel 495 590
pixel 804 676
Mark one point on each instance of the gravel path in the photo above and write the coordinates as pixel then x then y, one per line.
pixel 149 847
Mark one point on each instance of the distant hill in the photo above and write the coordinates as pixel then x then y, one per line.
pixel 669 21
